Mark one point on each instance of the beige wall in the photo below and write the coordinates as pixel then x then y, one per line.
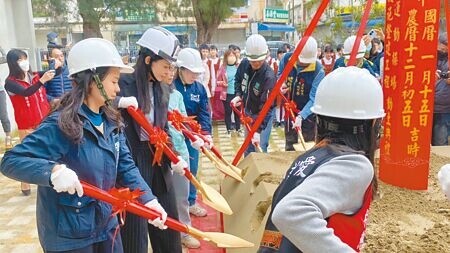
pixel 16 31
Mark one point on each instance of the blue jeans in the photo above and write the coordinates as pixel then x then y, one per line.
pixel 193 166
pixel 441 129
pixel 265 133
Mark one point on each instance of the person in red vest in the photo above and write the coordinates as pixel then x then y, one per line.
pixel 28 97
pixel 328 60
pixel 213 66
pixel 322 203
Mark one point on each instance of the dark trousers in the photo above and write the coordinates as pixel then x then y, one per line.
pixel 228 111
pixel 136 230
pixel 111 245
pixel 308 132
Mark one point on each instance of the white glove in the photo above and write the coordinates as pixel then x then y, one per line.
pixel 125 102
pixel 236 101
pixel 198 143
pixel 209 144
pixel 284 89
pixel 179 166
pixel 444 179
pixel 158 222
pixel 256 139
pixel 66 180
pixel 298 122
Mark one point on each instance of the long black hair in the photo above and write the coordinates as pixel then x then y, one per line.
pixel 69 121
pixel 359 135
pixel 161 93
pixel 14 69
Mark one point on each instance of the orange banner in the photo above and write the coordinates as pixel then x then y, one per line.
pixel 408 83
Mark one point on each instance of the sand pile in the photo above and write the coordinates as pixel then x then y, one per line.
pixel 410 221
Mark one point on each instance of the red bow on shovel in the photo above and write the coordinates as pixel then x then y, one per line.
pixel 120 201
pixel 246 120
pixel 291 107
pixel 211 197
pixel 178 123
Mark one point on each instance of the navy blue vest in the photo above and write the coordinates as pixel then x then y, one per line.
pixel 300 84
pixel 304 166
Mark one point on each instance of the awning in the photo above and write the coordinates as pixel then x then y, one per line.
pixel 178 28
pixel 370 23
pixel 275 27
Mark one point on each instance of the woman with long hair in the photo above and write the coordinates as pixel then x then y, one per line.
pixel 145 89
pixel 27 93
pixel 82 139
pixel 322 203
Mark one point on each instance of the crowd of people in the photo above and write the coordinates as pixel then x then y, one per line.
pixel 74 126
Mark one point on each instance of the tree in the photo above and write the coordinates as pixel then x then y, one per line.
pixel 209 14
pixel 93 12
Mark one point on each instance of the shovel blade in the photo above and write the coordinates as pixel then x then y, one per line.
pixel 228 171
pixel 223 240
pixel 214 199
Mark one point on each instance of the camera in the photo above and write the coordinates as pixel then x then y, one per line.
pixel 443 75
pixel 373 34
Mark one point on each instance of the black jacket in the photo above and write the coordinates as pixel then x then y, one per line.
pixel 254 87
pixel 158 177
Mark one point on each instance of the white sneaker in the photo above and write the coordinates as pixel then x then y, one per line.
pixel 190 242
pixel 197 210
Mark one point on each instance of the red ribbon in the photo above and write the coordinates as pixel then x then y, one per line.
pixel 178 119
pixel 291 107
pixel 124 198
pixel 159 139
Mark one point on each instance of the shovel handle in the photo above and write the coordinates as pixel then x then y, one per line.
pixel 132 207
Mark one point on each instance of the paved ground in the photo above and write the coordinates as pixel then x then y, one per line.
pixel 18 232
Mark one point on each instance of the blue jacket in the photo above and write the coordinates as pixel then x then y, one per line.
pixel 64 221
pixel 196 102
pixel 342 62
pixel 303 84
pixel 59 85
pixel 442 90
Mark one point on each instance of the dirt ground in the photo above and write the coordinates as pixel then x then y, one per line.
pixel 410 221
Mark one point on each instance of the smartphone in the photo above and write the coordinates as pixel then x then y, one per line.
pixel 51 64
pixel 373 34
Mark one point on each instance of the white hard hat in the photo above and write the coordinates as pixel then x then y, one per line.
pixel 161 42
pixel 256 48
pixel 349 93
pixel 93 53
pixel 348 46
pixel 309 52
pixel 190 58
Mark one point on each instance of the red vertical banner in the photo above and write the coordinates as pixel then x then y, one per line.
pixel 409 67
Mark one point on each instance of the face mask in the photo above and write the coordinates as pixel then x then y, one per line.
pixel 24 65
pixel 55 40
pixel 442 55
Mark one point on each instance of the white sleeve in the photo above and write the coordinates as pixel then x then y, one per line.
pixel 337 186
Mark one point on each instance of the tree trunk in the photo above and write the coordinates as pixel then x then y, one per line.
pixel 91 28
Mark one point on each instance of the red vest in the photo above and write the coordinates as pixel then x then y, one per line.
pixel 29 111
pixel 351 229
pixel 216 69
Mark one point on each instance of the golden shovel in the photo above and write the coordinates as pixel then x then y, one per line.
pixel 221 240
pixel 220 166
pixel 211 197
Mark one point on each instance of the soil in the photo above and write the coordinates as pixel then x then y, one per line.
pixel 410 221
